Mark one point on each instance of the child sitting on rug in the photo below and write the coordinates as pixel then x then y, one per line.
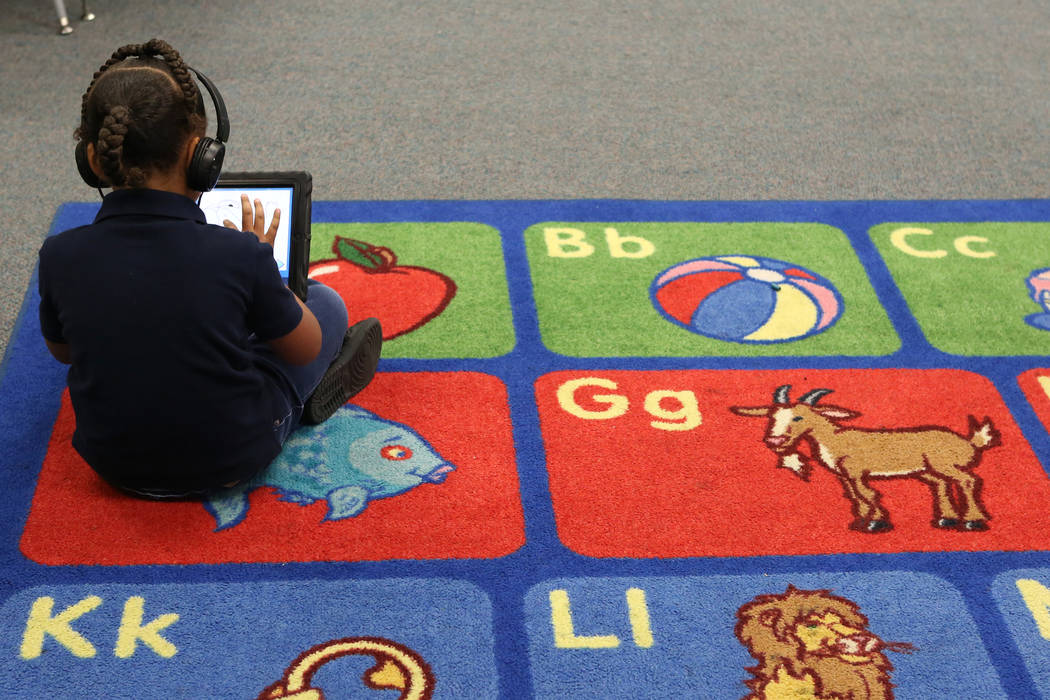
pixel 191 361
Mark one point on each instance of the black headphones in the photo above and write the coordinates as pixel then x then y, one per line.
pixel 207 158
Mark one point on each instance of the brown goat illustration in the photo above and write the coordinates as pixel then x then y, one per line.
pixel 935 455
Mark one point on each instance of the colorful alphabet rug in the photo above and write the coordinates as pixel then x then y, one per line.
pixel 615 449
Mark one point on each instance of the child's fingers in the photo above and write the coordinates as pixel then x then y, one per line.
pixel 271 233
pixel 259 225
pixel 229 224
pixel 246 213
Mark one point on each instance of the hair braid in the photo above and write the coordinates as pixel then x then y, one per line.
pixel 179 70
pixel 111 143
pixel 118 56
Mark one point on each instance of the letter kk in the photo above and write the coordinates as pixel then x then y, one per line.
pixel 43 623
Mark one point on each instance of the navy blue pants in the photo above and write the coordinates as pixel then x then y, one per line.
pixel 294 384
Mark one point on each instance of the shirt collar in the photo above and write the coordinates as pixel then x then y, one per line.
pixel 145 202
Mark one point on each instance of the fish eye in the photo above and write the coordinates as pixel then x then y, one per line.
pixel 796 419
pixel 395 453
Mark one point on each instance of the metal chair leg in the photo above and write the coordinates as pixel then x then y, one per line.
pixel 64 27
pixel 63 19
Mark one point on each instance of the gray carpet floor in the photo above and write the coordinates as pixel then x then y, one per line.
pixel 663 99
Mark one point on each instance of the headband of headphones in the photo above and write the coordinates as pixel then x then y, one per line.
pixel 222 120
pixel 206 163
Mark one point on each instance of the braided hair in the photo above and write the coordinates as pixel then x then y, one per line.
pixel 139 109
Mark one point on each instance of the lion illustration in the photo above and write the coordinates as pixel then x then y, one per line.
pixel 812 644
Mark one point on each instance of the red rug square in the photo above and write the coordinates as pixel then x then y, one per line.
pixel 655 464
pixel 475 513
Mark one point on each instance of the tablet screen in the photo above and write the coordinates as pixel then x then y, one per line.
pixel 224 203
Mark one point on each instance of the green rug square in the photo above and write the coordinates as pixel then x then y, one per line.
pixel 441 287
pixel 967 284
pixel 599 290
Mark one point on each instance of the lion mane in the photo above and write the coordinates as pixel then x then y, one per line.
pixel 766 626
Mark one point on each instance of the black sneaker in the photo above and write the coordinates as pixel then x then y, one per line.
pixel 351 371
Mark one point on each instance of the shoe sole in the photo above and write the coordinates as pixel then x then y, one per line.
pixel 351 372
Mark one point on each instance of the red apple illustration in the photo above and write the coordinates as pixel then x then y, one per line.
pixel 371 283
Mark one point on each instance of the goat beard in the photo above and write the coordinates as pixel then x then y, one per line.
pixel 796 463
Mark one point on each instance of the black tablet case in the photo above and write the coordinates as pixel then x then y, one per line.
pixel 302 197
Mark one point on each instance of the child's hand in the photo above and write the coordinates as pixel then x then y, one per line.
pixel 256 223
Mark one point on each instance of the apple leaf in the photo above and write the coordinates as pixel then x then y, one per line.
pixel 361 253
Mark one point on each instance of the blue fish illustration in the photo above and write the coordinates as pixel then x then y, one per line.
pixel 350 459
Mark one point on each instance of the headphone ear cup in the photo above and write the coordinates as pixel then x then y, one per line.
pixel 206 164
pixel 84 167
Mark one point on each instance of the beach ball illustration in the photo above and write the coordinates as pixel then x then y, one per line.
pixel 1039 289
pixel 746 299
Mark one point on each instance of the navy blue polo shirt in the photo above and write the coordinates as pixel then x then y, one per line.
pixel 159 309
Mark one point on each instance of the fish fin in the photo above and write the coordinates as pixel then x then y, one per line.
pixel 229 507
pixel 286 496
pixel 345 502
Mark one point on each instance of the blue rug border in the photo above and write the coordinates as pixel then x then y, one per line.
pixel 971 573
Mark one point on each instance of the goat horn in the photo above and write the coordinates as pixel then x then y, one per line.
pixel 780 396
pixel 810 398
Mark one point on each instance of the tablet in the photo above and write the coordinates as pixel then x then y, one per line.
pixel 288 191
